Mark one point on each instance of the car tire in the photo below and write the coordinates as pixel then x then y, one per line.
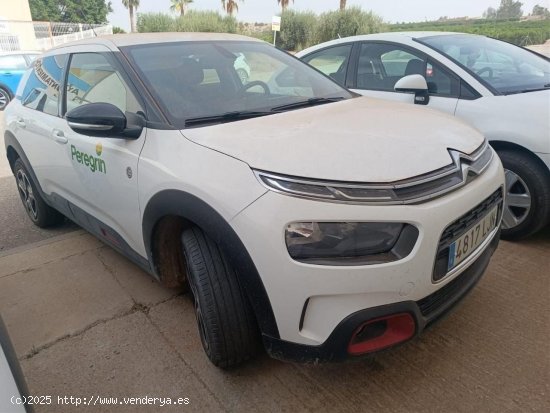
pixel 5 98
pixel 226 322
pixel 243 76
pixel 40 213
pixel 527 193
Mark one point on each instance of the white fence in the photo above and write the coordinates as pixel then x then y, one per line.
pixel 19 35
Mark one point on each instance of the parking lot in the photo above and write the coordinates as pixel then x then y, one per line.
pixel 87 323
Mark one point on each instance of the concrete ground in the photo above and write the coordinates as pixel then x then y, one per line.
pixel 86 322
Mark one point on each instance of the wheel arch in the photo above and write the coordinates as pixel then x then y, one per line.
pixel 506 145
pixel 182 208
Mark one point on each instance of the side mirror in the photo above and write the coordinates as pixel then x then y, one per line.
pixel 414 84
pixel 104 120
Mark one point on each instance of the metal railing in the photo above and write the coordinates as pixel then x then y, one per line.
pixel 25 35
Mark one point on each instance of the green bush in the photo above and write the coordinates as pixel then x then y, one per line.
pixel 155 22
pixel 349 22
pixel 193 21
pixel 206 21
pixel 522 33
pixel 297 30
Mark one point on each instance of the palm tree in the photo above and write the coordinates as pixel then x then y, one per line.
pixel 284 3
pixel 131 5
pixel 343 4
pixel 230 6
pixel 180 6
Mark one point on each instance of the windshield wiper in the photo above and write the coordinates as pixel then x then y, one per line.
pixel 537 89
pixel 306 103
pixel 225 117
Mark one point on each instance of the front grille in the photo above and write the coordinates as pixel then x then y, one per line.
pixel 460 227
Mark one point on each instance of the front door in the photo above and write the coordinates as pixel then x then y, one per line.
pixel 380 65
pixel 103 186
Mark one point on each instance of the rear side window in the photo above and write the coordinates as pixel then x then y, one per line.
pixel 93 78
pixel 332 61
pixel 14 62
pixel 42 90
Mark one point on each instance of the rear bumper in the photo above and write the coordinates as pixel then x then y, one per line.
pixel 425 312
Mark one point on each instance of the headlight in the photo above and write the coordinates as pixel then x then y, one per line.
pixel 349 243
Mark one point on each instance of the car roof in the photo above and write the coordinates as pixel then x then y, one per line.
pixel 389 36
pixel 121 40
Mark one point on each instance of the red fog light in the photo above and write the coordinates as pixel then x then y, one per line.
pixel 381 332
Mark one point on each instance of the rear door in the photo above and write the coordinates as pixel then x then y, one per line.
pixel 38 123
pixel 379 65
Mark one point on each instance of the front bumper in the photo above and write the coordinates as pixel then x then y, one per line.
pixel 310 301
pixel 425 312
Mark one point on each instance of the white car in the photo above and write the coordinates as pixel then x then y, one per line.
pixel 314 222
pixel 500 89
pixel 14 395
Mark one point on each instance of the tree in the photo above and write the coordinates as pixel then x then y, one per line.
pixel 284 3
pixel 541 11
pixel 343 4
pixel 509 9
pixel 230 6
pixel 490 13
pixel 73 11
pixel 131 5
pixel 180 6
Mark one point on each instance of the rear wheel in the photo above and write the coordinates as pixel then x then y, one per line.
pixel 40 213
pixel 226 322
pixel 527 193
pixel 4 98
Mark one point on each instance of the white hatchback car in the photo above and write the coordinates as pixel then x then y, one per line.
pixel 327 225
pixel 500 89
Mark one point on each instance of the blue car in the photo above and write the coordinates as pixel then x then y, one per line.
pixel 12 67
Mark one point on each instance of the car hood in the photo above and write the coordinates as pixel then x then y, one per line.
pixel 360 139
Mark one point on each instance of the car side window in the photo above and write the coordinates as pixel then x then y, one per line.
pixel 93 79
pixel 42 89
pixel 14 62
pixel 381 65
pixel 332 61
pixel 440 81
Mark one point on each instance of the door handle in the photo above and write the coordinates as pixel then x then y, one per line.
pixel 59 136
pixel 21 123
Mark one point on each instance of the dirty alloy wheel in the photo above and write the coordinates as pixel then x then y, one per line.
pixel 527 195
pixel 40 213
pixel 4 98
pixel 226 322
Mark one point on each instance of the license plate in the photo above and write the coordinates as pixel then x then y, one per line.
pixel 461 248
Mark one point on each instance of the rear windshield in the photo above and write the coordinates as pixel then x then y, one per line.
pixel 505 67
pixel 200 79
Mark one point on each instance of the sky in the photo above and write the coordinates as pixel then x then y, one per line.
pixel 391 10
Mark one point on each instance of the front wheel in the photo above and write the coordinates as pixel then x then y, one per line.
pixel 527 195
pixel 226 322
pixel 40 213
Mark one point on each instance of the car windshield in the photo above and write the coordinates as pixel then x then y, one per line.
pixel 505 67
pixel 209 82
